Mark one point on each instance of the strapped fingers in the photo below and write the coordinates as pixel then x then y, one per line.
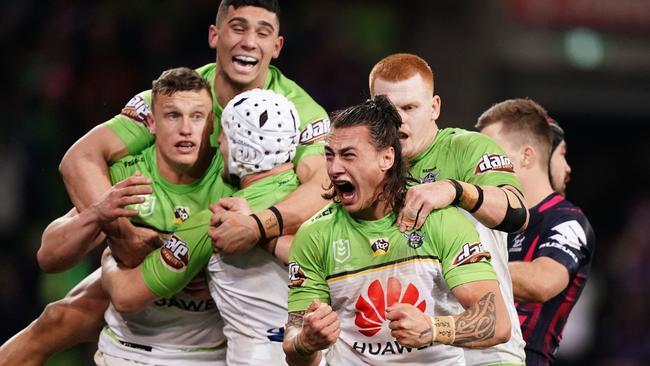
pixel 129 200
pixel 134 190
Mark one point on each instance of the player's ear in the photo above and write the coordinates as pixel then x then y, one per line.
pixel 435 110
pixel 528 156
pixel 151 123
pixel 387 159
pixel 212 36
pixel 277 47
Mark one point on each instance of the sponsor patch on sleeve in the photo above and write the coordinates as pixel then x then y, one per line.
pixel 493 162
pixel 315 131
pixel 138 111
pixel 471 253
pixel 296 275
pixel 175 254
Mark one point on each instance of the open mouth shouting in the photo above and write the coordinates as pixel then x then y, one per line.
pixel 346 192
pixel 244 63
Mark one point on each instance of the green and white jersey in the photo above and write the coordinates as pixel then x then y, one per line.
pixel 475 158
pixel 362 267
pixel 179 329
pixel 250 288
pixel 132 124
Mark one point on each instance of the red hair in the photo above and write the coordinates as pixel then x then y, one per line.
pixel 400 67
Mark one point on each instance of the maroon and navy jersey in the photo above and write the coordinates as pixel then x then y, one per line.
pixel 559 230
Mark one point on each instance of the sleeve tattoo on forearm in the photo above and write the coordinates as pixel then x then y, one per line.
pixel 478 322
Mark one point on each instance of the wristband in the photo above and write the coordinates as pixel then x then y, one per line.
pixel 299 347
pixel 459 191
pixel 278 217
pixel 479 200
pixel 443 329
pixel 260 227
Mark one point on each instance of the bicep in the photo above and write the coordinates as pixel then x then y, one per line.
pixel 312 169
pixel 470 293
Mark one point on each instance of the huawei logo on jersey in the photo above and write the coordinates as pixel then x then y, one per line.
pixel 370 311
pixel 496 162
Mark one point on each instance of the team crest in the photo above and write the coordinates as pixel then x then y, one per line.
pixel 431 176
pixel 147 207
pixel 296 275
pixel 414 239
pixel 181 214
pixel 341 250
pixel 379 246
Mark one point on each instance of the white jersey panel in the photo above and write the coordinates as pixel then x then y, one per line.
pixel 177 331
pixel 251 293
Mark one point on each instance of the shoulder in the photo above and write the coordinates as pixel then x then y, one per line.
pixel 303 101
pixel 569 221
pixel 324 217
pixel 206 70
pixel 468 139
pixel 449 218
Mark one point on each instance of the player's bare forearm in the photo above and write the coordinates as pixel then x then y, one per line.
pixel 84 166
pixel 485 321
pixel 501 208
pixel 293 328
pixel 68 239
pixel 538 281
pixel 307 199
pixel 125 286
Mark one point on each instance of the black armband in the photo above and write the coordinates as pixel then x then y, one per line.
pixel 515 218
pixel 260 227
pixel 459 191
pixel 479 200
pixel 278 217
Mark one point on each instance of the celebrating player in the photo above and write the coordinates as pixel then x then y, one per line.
pixel 246 37
pixel 455 167
pixel 551 260
pixel 373 294
pixel 259 139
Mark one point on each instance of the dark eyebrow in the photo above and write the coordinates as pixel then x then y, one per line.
pixel 261 23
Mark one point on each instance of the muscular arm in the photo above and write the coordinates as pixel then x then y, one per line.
pixel 85 165
pixel 500 208
pixel 85 173
pixel 68 239
pixel 484 323
pixel 294 326
pixel 309 332
pixel 125 286
pixel 235 233
pixel 539 280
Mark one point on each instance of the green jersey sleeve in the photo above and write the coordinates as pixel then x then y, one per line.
pixel 307 270
pixel 126 167
pixel 133 123
pixel 167 270
pixel 462 255
pixel 481 161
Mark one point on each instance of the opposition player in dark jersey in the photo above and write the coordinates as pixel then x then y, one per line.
pixel 559 170
pixel 486 187
pixel 394 298
pixel 550 261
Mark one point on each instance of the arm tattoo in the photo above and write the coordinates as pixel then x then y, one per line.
pixel 478 322
pixel 295 319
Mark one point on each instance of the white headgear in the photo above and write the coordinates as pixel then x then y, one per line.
pixel 262 130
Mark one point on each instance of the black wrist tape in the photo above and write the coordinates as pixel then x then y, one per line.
pixel 278 217
pixel 479 200
pixel 459 192
pixel 261 227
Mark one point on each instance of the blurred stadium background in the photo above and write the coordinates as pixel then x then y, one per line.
pixel 71 64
